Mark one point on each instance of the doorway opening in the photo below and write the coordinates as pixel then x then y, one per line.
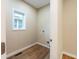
pixel 27 29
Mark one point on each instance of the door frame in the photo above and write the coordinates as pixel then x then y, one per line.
pixel 56 29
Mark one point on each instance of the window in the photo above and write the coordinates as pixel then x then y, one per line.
pixel 18 20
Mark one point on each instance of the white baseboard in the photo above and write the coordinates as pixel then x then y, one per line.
pixel 20 50
pixel 42 45
pixel 69 54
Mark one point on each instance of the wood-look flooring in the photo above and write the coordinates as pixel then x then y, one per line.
pixel 67 57
pixel 35 52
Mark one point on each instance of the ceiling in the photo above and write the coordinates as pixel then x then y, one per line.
pixel 37 3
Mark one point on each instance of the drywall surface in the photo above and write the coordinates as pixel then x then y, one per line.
pixel 17 39
pixel 60 25
pixel 70 27
pixel 43 24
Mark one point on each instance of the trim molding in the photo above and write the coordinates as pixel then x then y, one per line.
pixel 22 49
pixel 42 45
pixel 69 54
pixel 19 50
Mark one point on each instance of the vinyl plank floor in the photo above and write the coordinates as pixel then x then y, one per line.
pixel 47 56
pixel 67 57
pixel 35 52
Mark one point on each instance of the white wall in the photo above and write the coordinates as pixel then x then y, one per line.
pixel 60 24
pixel 43 24
pixel 19 39
pixel 70 27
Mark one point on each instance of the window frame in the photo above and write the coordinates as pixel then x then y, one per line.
pixel 13 19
